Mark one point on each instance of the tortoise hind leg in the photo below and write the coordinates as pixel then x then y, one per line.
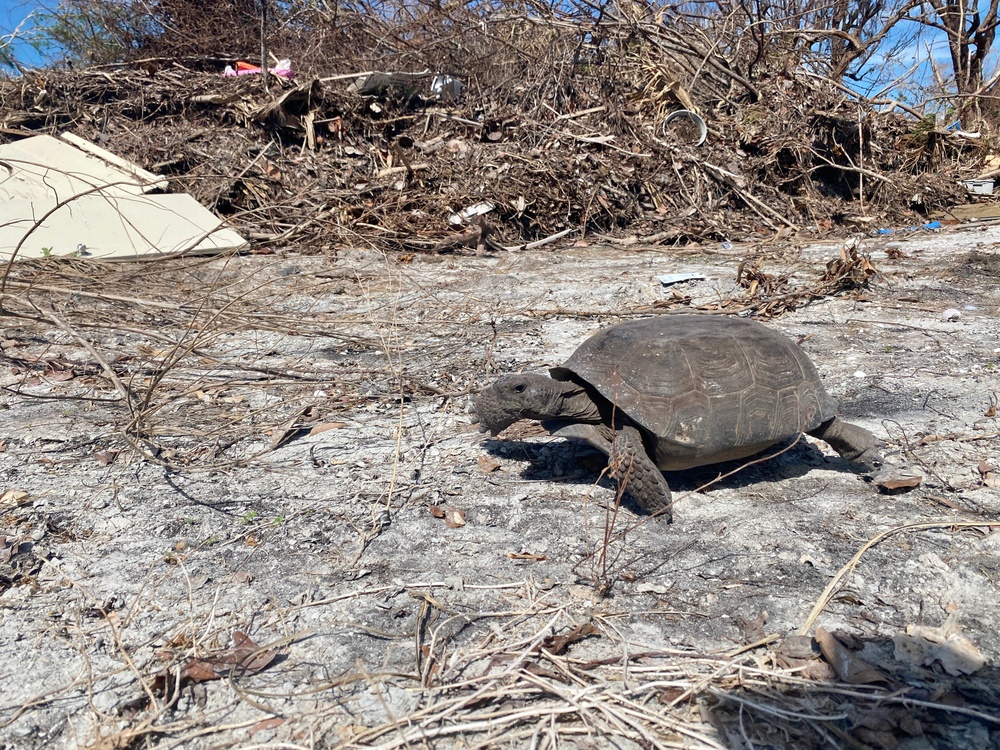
pixel 638 475
pixel 854 443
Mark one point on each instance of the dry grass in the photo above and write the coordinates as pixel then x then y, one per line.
pixel 514 683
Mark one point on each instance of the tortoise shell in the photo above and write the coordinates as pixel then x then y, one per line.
pixel 703 388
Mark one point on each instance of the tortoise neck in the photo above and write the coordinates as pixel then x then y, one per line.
pixel 574 403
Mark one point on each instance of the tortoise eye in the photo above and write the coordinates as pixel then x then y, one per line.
pixel 519 388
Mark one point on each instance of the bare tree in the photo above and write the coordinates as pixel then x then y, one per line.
pixel 970 27
pixel 855 29
pixel 8 58
pixel 834 37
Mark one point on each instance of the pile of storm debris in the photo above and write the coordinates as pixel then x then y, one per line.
pixel 517 130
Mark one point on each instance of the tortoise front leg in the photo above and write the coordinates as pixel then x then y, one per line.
pixel 636 473
pixel 851 441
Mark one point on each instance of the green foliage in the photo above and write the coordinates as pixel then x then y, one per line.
pixel 924 128
pixel 89 32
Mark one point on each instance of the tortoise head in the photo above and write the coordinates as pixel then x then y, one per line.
pixel 526 396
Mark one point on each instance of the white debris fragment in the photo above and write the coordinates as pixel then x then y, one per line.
pixel 676 278
pixel 951 314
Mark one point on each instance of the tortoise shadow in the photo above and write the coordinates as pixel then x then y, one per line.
pixel 549 461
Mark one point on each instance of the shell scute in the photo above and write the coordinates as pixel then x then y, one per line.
pixel 702 385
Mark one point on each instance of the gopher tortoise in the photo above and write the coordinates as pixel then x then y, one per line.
pixel 674 392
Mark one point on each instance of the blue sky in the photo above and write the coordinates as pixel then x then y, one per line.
pixel 12 12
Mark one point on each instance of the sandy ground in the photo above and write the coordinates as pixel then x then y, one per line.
pixel 303 470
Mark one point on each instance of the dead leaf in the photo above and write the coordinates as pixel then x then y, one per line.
pixel 909 723
pixel 988 475
pixel 197 670
pixel 182 640
pixel 669 695
pixel 648 587
pixel 753 630
pixel 537 669
pixel 487 465
pixel 431 664
pixel 923 645
pixel 293 428
pixel 817 670
pixel 242 659
pixel 796 648
pixel 895 479
pixel 272 171
pixel 882 740
pixel 58 376
pixel 326 426
pixel 9 546
pixel 238 656
pixel 992 411
pixel 557 644
pixel 526 556
pixel 266 724
pixel 848 665
pixel 105 458
pixel 454 518
pixel 14 499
